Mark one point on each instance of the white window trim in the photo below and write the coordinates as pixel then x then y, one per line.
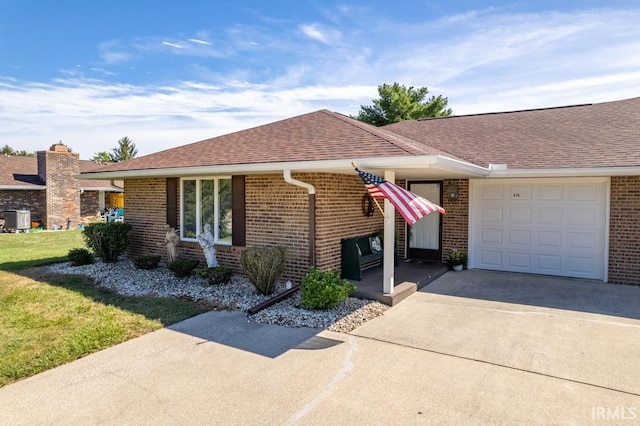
pixel 216 208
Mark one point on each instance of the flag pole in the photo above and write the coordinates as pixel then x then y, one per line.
pixel 374 200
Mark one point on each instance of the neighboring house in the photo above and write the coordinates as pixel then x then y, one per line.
pixel 551 191
pixel 46 186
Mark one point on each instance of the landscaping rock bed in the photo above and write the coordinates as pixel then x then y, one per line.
pixel 124 278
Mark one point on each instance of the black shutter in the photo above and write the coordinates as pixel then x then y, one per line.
pixel 172 202
pixel 238 208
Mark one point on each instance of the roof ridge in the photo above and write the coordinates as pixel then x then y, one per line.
pixel 417 147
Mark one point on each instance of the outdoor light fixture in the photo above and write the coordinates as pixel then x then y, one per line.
pixel 452 192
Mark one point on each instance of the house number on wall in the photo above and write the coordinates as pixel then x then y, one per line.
pixel 515 195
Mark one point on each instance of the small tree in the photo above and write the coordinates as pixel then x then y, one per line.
pixel 399 103
pixel 101 157
pixel 126 150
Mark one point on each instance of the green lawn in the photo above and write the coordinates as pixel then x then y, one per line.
pixel 47 320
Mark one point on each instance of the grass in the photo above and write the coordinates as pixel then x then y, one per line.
pixel 47 320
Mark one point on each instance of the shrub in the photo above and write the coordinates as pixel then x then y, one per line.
pixel 263 266
pixel 182 267
pixel 216 275
pixel 108 240
pixel 323 290
pixel 80 256
pixel 146 261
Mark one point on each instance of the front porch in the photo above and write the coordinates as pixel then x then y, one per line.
pixel 409 275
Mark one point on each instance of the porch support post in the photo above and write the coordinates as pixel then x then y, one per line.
pixel 389 239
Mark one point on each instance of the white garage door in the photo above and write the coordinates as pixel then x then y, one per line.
pixel 552 227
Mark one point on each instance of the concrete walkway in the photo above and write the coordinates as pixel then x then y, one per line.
pixel 471 348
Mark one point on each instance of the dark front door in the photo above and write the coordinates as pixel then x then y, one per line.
pixel 424 238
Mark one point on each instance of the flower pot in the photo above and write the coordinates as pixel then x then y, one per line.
pixel 458 268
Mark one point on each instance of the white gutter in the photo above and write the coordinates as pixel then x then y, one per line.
pixel 342 165
pixel 287 178
pixel 503 172
pixel 24 187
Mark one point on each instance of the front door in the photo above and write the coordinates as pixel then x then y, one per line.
pixel 425 236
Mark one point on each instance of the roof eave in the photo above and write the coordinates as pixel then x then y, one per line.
pixel 566 172
pixel 333 166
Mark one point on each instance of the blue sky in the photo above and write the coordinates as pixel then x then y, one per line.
pixel 170 73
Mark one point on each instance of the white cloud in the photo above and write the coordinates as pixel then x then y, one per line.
pixel 176 45
pixel 197 41
pixel 319 33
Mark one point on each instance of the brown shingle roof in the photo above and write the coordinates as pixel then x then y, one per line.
pixel 595 135
pixel 320 135
pixel 22 172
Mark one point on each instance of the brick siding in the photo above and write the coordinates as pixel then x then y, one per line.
pixel 455 224
pixel 32 200
pixel 624 231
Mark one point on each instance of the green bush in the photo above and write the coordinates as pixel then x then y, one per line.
pixel 108 240
pixel 216 275
pixel 323 290
pixel 80 256
pixel 182 267
pixel 263 266
pixel 149 261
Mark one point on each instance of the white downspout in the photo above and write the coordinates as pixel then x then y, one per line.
pixel 312 212
pixel 287 178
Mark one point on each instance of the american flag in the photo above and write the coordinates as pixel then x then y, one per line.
pixel 410 206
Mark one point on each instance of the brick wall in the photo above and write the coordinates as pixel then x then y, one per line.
pixel 455 224
pixel 339 215
pixel 277 213
pixel 89 203
pixel 63 190
pixel 34 201
pixel 624 231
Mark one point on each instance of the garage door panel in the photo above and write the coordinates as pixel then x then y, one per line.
pixel 520 237
pixel 540 226
pixel 490 258
pixel 492 215
pixel 550 240
pixel 583 192
pixel 520 215
pixel 491 236
pixel 492 192
pixel 519 261
pixel 550 215
pixel 582 266
pixel 581 216
pixel 550 192
pixel 521 192
pixel 581 241
pixel 549 264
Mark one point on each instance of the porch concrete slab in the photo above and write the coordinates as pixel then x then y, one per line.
pixel 204 371
pixel 576 330
pixel 409 277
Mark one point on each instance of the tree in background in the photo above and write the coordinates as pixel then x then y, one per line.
pixel 399 103
pixel 126 150
pixel 7 150
pixel 101 157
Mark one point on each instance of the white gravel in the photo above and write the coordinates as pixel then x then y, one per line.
pixel 124 278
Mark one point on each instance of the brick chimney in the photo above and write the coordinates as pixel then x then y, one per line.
pixel 56 169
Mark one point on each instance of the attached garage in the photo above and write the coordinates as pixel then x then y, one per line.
pixel 542 226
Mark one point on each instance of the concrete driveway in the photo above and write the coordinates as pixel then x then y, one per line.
pixel 473 347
